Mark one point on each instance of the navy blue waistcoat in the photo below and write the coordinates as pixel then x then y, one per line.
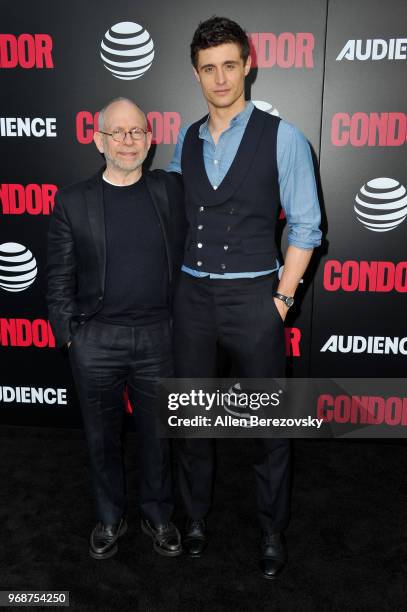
pixel 232 229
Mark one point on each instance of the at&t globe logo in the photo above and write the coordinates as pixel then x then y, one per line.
pixel 381 204
pixel 18 268
pixel 127 50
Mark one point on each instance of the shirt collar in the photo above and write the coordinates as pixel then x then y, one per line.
pixel 241 119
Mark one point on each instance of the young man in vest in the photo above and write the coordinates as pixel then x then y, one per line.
pixel 238 163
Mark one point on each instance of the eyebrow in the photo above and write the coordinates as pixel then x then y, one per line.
pixel 223 63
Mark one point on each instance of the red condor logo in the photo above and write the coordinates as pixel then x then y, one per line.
pixel 292 342
pixel 362 409
pixel 285 50
pixel 26 51
pixel 31 199
pixel 25 333
pixel 370 276
pixel 369 129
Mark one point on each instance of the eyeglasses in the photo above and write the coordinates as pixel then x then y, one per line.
pixel 119 135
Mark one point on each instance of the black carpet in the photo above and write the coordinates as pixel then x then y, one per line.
pixel 347 538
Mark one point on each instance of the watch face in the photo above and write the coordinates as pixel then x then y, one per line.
pixel 289 301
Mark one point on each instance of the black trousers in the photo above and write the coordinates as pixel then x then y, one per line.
pixel 104 358
pixel 240 316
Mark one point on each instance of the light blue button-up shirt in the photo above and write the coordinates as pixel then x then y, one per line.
pixel 298 191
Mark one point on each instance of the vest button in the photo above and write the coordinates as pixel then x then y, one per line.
pixel 228 228
pixel 199 263
pixel 223 266
pixel 201 208
pixel 226 247
pixel 232 210
pixel 199 245
pixel 200 227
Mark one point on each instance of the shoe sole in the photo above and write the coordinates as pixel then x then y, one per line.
pixel 270 577
pixel 160 551
pixel 195 555
pixel 112 551
pixel 275 576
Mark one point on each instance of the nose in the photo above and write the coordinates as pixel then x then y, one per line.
pixel 220 76
pixel 128 140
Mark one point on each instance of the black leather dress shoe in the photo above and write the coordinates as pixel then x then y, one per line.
pixel 195 539
pixel 166 538
pixel 103 539
pixel 274 554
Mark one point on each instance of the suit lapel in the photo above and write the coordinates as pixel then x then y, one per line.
pixel 159 197
pixel 96 214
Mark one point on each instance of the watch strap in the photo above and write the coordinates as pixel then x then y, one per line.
pixel 288 300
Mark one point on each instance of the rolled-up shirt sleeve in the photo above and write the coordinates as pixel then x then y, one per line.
pixel 298 190
pixel 175 164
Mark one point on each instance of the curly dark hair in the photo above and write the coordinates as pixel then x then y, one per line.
pixel 218 31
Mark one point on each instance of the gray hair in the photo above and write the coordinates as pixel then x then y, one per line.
pixel 104 109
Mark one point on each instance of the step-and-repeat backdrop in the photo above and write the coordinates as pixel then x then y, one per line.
pixel 334 68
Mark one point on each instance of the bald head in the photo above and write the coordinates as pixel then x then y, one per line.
pixel 124 156
pixel 117 108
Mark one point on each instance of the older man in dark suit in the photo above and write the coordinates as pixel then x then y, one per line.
pixel 114 244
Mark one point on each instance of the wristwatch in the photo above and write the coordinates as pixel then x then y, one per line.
pixel 288 301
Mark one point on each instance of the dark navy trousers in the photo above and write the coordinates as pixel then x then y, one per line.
pixel 104 358
pixel 239 316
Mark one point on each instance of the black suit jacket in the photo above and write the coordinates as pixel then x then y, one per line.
pixel 76 262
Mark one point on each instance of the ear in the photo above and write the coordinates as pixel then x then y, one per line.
pixel 98 140
pixel 149 137
pixel 196 75
pixel 247 66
